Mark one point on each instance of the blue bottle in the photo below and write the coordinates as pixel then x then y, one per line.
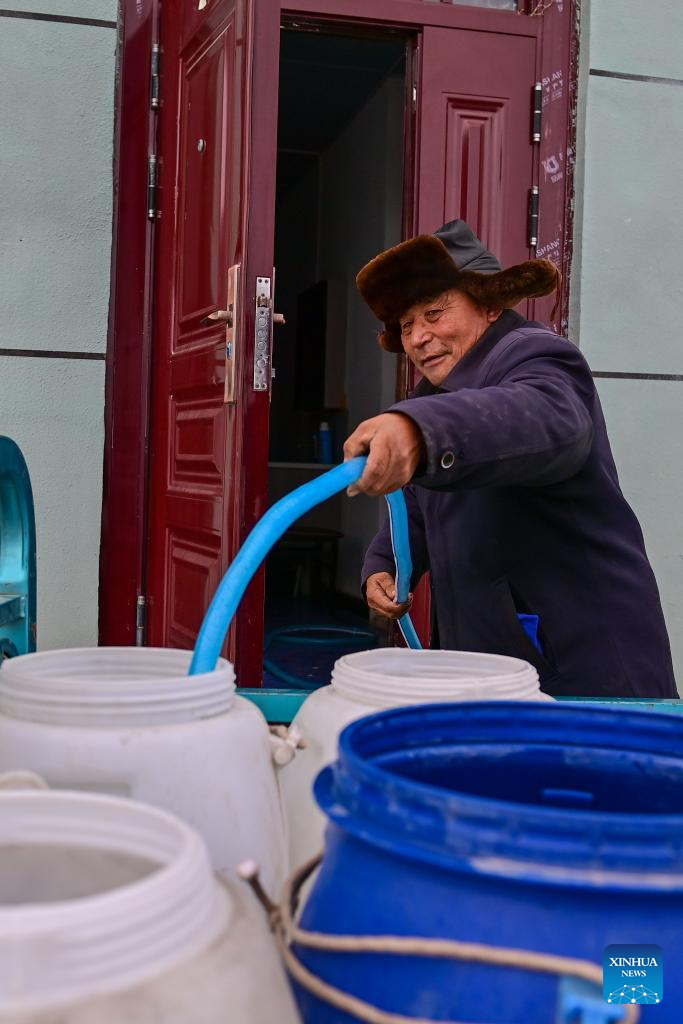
pixel 325 444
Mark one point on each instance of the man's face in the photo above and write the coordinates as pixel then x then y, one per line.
pixel 437 334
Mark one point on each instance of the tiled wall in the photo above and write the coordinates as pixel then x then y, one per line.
pixel 627 296
pixel 57 70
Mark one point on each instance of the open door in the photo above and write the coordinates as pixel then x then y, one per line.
pixel 474 157
pixel 339 202
pixel 476 153
pixel 476 146
pixel 213 296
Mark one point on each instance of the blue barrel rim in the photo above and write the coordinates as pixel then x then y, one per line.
pixel 352 793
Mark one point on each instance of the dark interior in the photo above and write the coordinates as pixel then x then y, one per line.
pixel 339 202
pixel 325 81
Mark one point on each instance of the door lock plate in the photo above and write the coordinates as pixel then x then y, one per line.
pixel 263 334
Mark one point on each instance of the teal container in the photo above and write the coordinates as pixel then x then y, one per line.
pixel 17 554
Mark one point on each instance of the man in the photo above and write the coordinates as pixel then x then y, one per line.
pixel 514 502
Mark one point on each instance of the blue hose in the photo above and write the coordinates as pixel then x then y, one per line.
pixel 265 534
pixel 400 542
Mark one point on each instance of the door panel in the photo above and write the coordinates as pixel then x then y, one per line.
pixel 197 518
pixel 475 141
pixel 475 155
pixel 476 158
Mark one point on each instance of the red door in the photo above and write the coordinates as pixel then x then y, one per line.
pixel 217 139
pixel 475 155
pixel 217 158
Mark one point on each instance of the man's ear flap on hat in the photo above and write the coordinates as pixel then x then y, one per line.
pixel 507 288
pixel 390 339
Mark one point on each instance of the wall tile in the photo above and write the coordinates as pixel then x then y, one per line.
pixel 105 10
pixel 632 242
pixel 645 425
pixel 637 37
pixel 56 199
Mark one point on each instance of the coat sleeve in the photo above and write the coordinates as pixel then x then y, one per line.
pixel 531 427
pixel 380 555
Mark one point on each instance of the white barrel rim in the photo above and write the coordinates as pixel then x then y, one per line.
pixel 110 687
pixel 391 677
pixel 57 952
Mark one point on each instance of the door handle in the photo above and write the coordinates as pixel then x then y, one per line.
pixel 218 316
pixel 231 318
pixel 279 318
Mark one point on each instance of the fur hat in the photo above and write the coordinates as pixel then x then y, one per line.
pixel 428 265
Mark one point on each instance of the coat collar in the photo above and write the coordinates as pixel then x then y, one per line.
pixel 464 372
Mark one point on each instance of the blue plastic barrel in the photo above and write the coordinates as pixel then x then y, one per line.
pixel 550 829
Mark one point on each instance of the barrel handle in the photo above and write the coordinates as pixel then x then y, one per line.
pixel 284 743
pixel 22 778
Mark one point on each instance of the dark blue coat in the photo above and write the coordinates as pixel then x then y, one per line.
pixel 518 510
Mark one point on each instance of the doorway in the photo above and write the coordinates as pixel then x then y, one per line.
pixel 339 202
pixel 195 469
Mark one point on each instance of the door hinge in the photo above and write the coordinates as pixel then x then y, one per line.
pixel 140 620
pixel 537 112
pixel 413 89
pixel 534 203
pixel 155 78
pixel 152 186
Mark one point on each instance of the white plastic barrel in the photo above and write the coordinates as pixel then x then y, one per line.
pixel 131 722
pixel 110 912
pixel 371 681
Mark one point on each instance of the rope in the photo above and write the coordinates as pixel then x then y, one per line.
pixel 287 932
pixel 342 1000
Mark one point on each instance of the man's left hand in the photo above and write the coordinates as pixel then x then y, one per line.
pixel 395 448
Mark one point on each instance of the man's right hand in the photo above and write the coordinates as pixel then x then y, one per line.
pixel 380 591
